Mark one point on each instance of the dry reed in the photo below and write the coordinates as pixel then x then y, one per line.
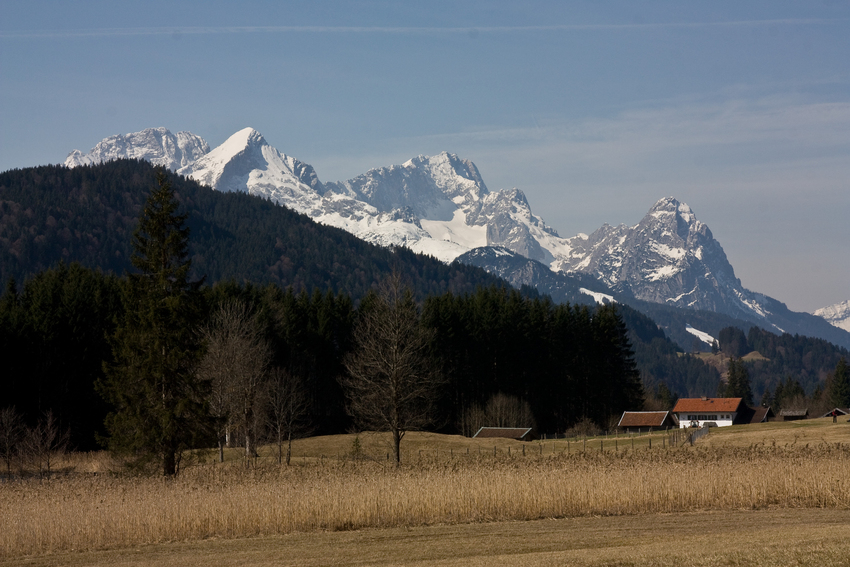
pixel 93 511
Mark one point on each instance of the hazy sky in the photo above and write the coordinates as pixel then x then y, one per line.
pixel 594 109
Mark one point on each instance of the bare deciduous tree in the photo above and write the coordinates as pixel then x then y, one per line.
pixel 46 440
pixel 509 411
pixel 392 383
pixel 289 409
pixel 501 410
pixel 236 364
pixel 12 433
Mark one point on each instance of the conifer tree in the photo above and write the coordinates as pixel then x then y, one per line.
pixel 158 400
pixel 738 383
pixel 838 391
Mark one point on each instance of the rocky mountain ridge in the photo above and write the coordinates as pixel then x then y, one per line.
pixel 440 205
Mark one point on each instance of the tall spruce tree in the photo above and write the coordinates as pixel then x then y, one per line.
pixel 158 400
pixel 838 389
pixel 738 383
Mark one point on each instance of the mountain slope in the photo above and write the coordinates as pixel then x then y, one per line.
pixel 87 215
pixel 440 206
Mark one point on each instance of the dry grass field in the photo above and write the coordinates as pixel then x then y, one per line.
pixel 779 480
pixel 800 537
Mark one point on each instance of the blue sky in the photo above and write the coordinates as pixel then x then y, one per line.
pixel 594 109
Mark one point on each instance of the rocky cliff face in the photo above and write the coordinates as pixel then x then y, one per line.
pixel 668 257
pixel 156 145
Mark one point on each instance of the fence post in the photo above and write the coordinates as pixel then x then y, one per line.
pixel 650 442
pixel 601 446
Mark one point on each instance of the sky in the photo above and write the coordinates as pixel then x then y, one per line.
pixel 594 109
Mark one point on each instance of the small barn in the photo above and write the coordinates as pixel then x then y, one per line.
pixel 646 421
pixel 793 414
pixel 517 433
pixel 754 415
pixel 838 411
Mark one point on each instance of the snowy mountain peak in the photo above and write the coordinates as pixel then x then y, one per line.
pixel 246 162
pixel 156 145
pixel 674 216
pixel 837 315
pixel 244 138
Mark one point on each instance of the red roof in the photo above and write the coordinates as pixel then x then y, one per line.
pixel 643 419
pixel 707 404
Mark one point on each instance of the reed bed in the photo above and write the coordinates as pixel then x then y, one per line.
pixel 95 511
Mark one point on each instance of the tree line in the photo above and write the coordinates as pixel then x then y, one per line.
pixel 88 215
pixel 173 364
pixel 793 372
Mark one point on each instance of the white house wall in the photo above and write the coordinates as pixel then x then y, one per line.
pixel 722 419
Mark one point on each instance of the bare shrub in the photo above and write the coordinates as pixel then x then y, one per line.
pixel 584 428
pixel 44 442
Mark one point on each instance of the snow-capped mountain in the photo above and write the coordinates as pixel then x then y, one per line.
pixel 837 315
pixel 668 257
pixel 246 162
pixel 439 205
pixel 156 145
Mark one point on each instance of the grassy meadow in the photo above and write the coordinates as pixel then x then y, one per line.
pixel 336 486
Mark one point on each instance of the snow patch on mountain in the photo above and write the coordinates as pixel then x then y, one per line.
pixel 837 315
pixel 703 336
pixel 598 296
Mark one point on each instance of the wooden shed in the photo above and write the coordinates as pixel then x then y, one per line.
pixel 646 420
pixel 518 433
pixel 793 414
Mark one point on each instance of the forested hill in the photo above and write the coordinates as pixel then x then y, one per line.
pixel 805 360
pixel 88 214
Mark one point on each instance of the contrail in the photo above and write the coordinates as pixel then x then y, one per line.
pixel 211 30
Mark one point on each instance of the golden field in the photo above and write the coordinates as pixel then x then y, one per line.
pixel 444 481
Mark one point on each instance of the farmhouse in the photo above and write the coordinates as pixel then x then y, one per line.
pixel 518 433
pixel 696 412
pixel 646 420
pixel 720 412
